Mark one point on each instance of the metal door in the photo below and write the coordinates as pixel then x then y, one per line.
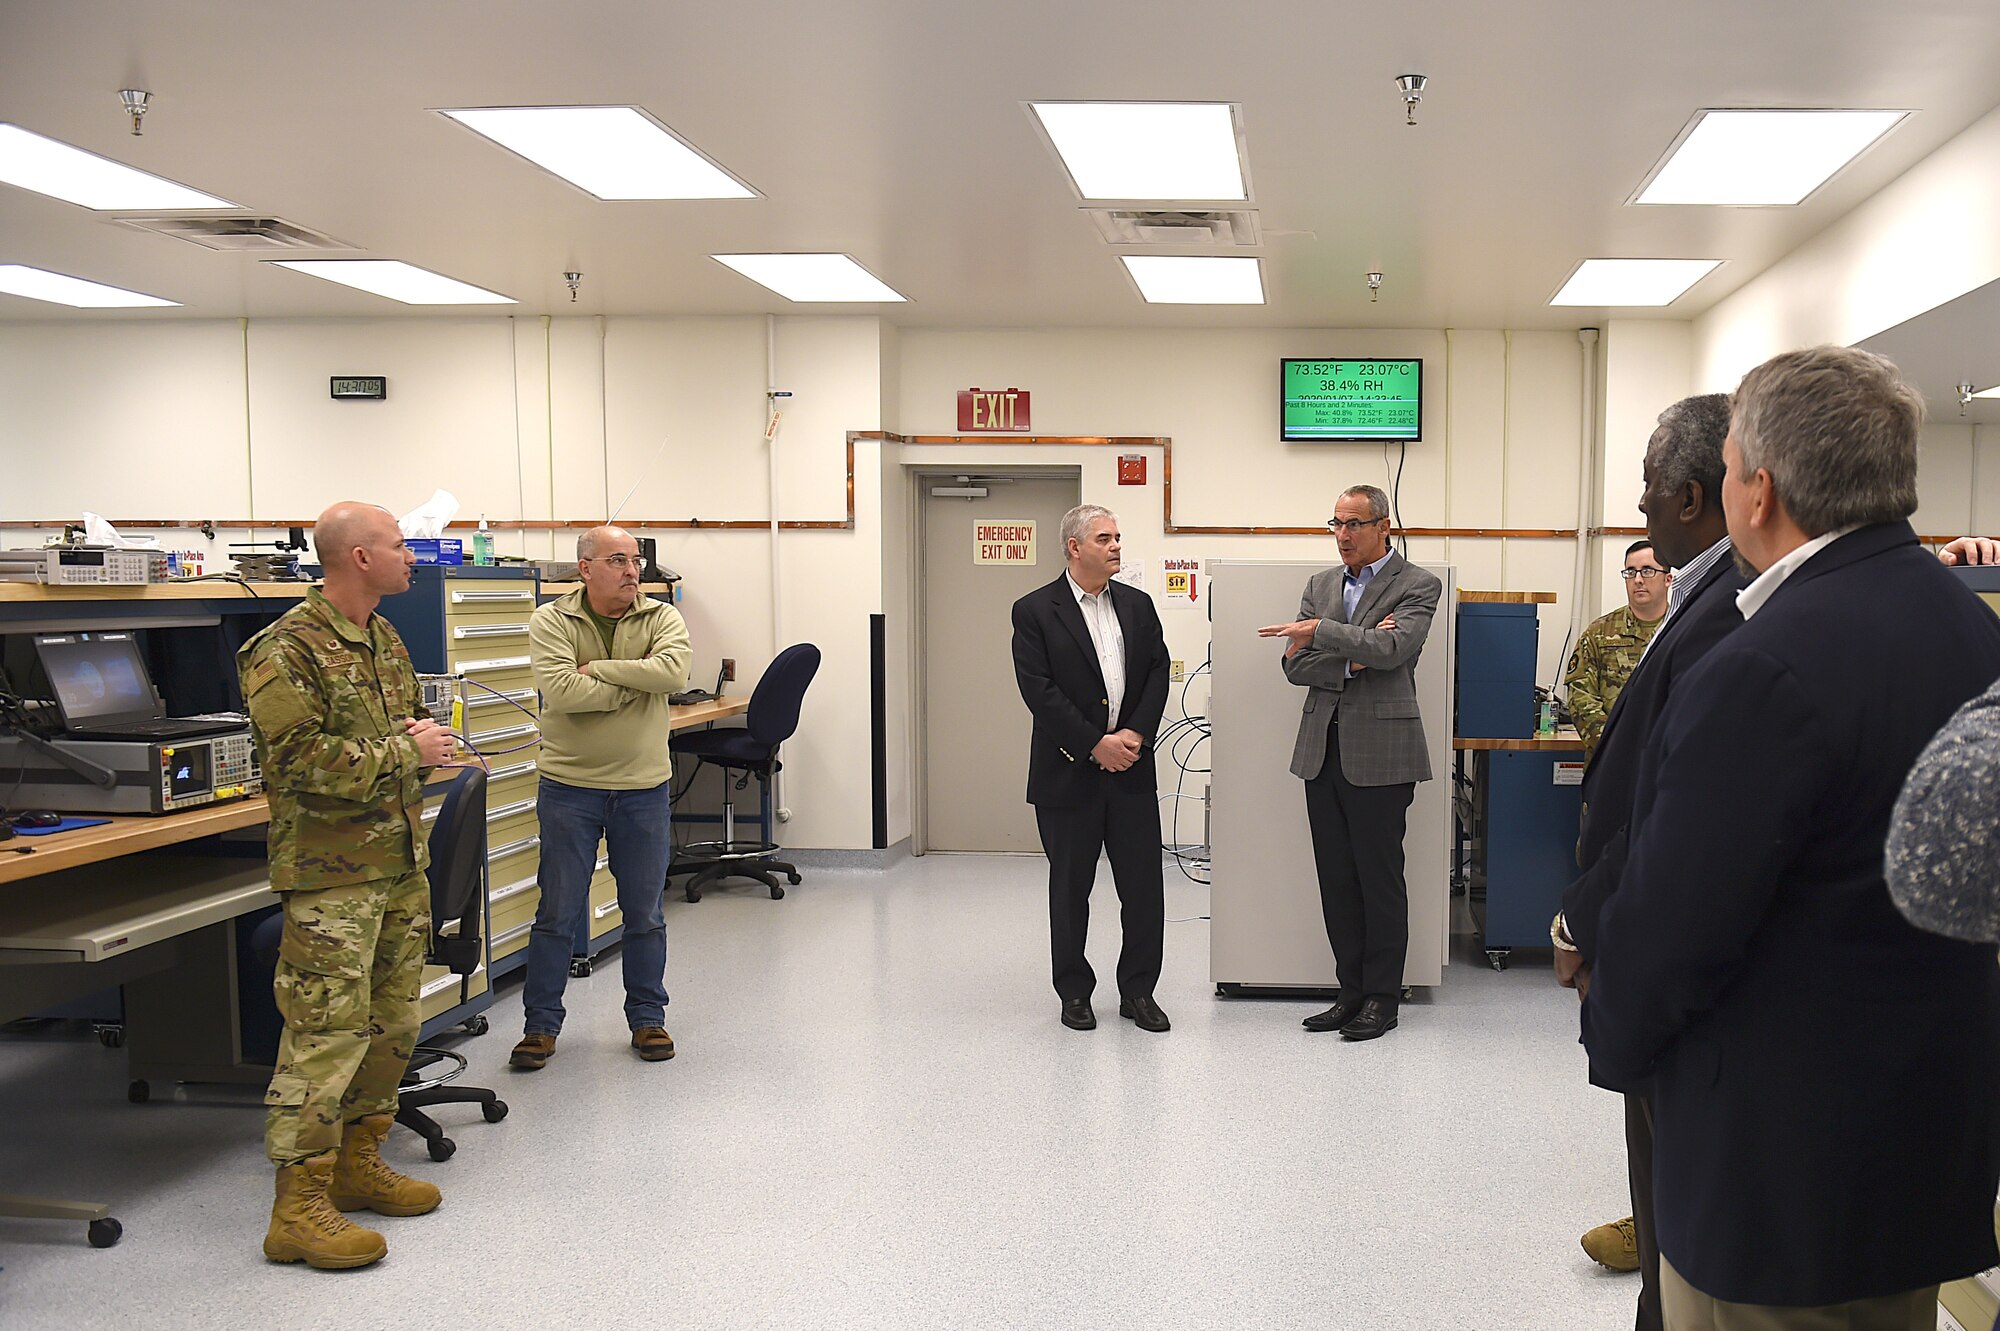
pixel 975 740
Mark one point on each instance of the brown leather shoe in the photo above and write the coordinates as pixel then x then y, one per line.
pixel 653 1043
pixel 535 1049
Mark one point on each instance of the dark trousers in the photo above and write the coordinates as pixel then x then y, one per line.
pixel 1357 835
pixel 1639 1168
pixel 1127 828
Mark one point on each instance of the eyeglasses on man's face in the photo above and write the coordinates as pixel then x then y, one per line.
pixel 619 562
pixel 1649 572
pixel 1351 525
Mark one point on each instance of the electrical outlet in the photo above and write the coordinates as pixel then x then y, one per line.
pixel 1176 671
pixel 729 670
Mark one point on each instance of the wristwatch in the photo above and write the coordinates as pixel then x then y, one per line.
pixel 1559 934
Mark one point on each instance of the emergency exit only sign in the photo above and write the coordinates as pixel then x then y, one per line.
pixel 1003 542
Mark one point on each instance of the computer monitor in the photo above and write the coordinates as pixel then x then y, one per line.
pixel 98 678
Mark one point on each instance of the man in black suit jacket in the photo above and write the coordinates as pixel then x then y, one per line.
pixel 1682 501
pixel 1826 1103
pixel 1091 662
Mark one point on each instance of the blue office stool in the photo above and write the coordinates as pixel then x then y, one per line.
pixel 751 751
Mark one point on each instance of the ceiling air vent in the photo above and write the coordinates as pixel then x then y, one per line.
pixel 256 234
pixel 1134 226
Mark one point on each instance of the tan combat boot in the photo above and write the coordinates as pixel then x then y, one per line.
pixel 306 1228
pixel 363 1179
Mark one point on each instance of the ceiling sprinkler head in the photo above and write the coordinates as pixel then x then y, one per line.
pixel 572 281
pixel 1374 287
pixel 135 100
pixel 1412 88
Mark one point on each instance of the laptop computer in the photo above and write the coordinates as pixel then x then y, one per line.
pixel 104 691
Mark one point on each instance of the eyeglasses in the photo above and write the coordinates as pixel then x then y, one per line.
pixel 1351 525
pixel 1649 572
pixel 619 562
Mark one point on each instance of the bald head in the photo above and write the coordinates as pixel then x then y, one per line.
pixel 348 528
pixel 605 540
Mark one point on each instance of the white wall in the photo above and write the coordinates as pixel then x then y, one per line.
pixel 1929 237
pixel 1648 366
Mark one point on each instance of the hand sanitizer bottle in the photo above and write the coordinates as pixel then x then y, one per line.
pixel 482 544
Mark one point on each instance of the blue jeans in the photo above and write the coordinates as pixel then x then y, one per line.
pixel 633 825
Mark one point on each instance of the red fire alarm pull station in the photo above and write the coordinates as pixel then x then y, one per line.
pixel 1131 468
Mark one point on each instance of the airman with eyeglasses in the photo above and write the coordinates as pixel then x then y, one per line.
pixel 1609 650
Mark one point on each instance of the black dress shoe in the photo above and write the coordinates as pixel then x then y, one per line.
pixel 1343 1011
pixel 1144 1013
pixel 1077 1014
pixel 1375 1019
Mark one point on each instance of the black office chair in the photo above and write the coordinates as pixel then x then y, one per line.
pixel 751 750
pixel 458 904
pixel 458 880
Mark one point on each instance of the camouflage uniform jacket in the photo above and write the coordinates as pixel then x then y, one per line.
pixel 1604 659
pixel 327 702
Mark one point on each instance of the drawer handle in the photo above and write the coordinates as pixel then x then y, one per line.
pixel 505 732
pixel 512 890
pixel 518 697
pixel 491 598
pixel 440 984
pixel 500 811
pixel 501 940
pixel 493 664
pixel 513 848
pixel 510 770
pixel 599 912
pixel 432 811
pixel 464 631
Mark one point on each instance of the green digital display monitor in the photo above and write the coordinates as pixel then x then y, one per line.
pixel 1353 400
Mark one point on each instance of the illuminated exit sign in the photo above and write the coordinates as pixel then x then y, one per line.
pixel 1006 409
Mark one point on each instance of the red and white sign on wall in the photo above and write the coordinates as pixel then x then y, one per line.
pixel 1005 410
pixel 1003 542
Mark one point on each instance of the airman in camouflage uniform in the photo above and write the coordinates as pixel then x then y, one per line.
pixel 1609 650
pixel 344 742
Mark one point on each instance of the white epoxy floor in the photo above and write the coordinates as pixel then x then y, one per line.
pixel 875 1120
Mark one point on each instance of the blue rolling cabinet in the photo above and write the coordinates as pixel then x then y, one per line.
pixel 1525 804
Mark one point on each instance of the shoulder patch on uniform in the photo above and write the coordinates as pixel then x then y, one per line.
pixel 259 673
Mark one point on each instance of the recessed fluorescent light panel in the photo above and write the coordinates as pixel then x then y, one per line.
pixel 1148 150
pixel 48 167
pixel 812 277
pixel 396 280
pixel 613 152
pixel 58 289
pixel 1762 159
pixel 1632 281
pixel 1175 279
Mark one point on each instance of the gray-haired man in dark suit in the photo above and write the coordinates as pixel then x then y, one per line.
pixel 1361 751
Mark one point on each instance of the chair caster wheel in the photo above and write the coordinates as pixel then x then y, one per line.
pixel 476 1026
pixel 579 968
pixel 443 1148
pixel 495 1111
pixel 105 1232
pixel 777 893
pixel 693 895
pixel 792 878
pixel 138 1092
pixel 1497 957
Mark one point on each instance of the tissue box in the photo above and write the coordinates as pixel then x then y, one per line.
pixel 437 549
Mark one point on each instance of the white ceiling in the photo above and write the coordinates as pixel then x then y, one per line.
pixel 894 130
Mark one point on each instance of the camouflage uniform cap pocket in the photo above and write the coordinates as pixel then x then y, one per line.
pixel 287 1088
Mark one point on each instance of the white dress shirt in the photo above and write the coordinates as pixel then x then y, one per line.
pixel 1101 618
pixel 1686 579
pixel 1751 599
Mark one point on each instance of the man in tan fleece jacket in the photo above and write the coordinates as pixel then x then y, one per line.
pixel 606 658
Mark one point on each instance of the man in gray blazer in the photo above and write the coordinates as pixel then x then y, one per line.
pixel 1361 751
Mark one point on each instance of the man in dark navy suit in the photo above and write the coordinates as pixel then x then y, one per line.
pixel 1091 662
pixel 1682 501
pixel 1821 1071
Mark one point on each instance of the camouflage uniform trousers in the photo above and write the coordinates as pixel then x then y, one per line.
pixel 346 985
